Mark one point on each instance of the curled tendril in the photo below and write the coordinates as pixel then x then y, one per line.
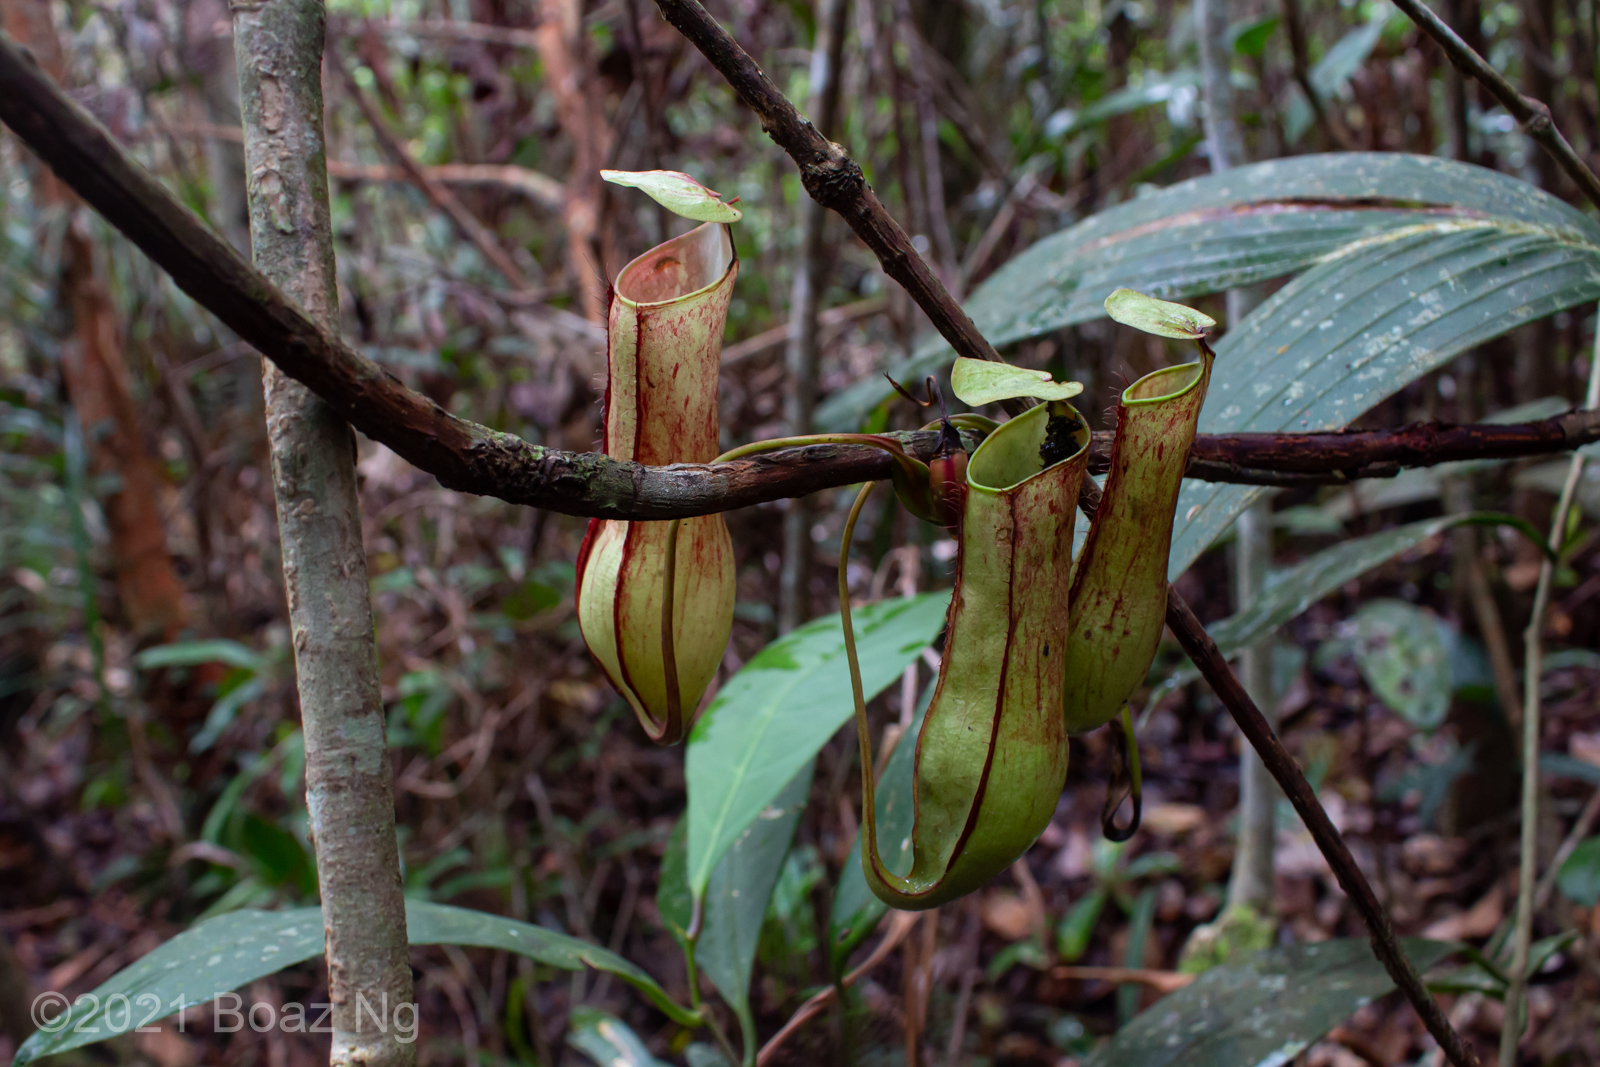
pixel 930 385
pixel 1126 781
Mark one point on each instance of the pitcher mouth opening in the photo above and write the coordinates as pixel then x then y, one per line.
pixel 1011 455
pixel 678 268
pixel 1165 384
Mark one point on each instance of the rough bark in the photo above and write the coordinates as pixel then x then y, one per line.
pixel 349 793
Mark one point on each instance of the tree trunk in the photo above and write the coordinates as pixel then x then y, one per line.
pixel 349 793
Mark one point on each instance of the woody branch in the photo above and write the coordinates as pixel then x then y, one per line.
pixel 473 458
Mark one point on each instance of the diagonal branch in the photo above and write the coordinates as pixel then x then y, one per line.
pixel 1203 651
pixel 1310 458
pixel 1533 115
pixel 834 179
pixel 438 194
pixel 1336 134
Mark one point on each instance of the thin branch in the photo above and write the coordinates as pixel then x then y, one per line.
pixel 542 189
pixel 1162 982
pixel 442 29
pixel 832 178
pixel 778 336
pixel 1293 21
pixel 1532 664
pixel 899 927
pixel 1581 829
pixel 1533 115
pixel 1379 453
pixel 465 222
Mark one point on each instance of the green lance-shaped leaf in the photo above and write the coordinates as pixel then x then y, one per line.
pixel 607 1040
pixel 1356 328
pixel 778 711
pixel 1119 588
pixel 678 193
pixel 734 905
pixel 1160 317
pixel 665 345
pixel 1266 1010
pixel 234 949
pixel 1276 218
pixel 991 757
pixel 980 381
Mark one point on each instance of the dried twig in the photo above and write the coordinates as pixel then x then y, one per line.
pixel 899 927
pixel 441 29
pixel 542 189
pixel 1163 982
pixel 1295 24
pixel 778 336
pixel 1533 115
pixel 567 76
pixel 465 222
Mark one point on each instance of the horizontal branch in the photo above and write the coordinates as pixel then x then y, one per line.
pixel 476 459
pixel 778 336
pixel 1325 458
pixel 539 188
pixel 444 29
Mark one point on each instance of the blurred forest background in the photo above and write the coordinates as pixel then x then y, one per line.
pixel 150 754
